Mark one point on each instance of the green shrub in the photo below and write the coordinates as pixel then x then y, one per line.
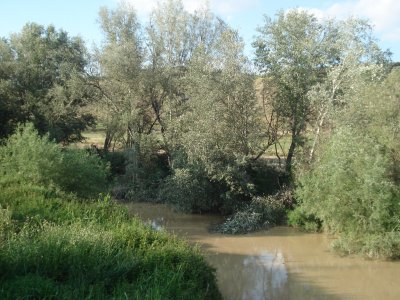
pixel 354 185
pixel 262 212
pixel 349 188
pixel 145 170
pixel 28 158
pixel 188 190
pixel 81 173
pixel 384 245
pixel 267 179
pixel 117 161
pixel 301 219
pixel 62 248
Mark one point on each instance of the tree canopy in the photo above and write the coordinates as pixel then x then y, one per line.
pixel 298 54
pixel 42 80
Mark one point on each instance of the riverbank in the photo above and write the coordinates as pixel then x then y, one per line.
pixel 56 246
pixel 61 239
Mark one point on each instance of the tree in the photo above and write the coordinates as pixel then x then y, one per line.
pixel 353 186
pixel 148 96
pixel 119 77
pixel 173 38
pixel 288 54
pixel 142 76
pixel 43 81
pixel 221 126
pixel 299 55
pixel 358 61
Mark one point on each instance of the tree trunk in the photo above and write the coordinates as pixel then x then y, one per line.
pixel 290 155
pixel 317 133
pixel 108 140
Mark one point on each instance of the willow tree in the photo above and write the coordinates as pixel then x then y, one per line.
pixel 221 126
pixel 296 53
pixel 358 198
pixel 120 62
pixel 354 61
pixel 288 54
pixel 173 35
pixel 141 69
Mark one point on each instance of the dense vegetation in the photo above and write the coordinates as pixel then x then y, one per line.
pixel 42 80
pixel 189 120
pixel 354 186
pixel 55 245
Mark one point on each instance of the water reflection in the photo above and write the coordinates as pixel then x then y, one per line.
pixel 281 263
pixel 252 277
pixel 266 276
pixel 157 223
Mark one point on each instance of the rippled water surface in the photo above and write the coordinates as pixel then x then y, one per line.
pixel 281 263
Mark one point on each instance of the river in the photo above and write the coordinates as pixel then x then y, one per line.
pixel 281 263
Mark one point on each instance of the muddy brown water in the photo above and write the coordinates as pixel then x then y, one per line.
pixel 281 263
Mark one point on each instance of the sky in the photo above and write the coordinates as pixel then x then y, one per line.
pixel 79 17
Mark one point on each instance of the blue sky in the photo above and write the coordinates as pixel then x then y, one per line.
pixel 79 17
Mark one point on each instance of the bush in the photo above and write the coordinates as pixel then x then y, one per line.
pixel 349 189
pixel 262 212
pixel 28 158
pixel 117 161
pixel 66 249
pixel 145 169
pixel 303 220
pixel 81 173
pixel 354 185
pixel 267 179
pixel 376 246
pixel 189 191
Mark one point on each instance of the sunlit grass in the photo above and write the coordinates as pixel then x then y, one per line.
pixel 54 246
pixel 94 136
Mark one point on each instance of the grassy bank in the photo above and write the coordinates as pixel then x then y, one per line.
pixel 55 244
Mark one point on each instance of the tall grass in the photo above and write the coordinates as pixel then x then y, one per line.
pixel 63 248
pixel 54 245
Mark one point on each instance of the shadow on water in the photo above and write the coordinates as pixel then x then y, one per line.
pixel 281 263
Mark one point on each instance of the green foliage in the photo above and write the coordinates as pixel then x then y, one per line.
pixel 32 204
pixel 300 55
pixel 81 173
pixel 219 129
pixel 42 80
pixel 28 158
pixel 117 161
pixel 145 168
pixel 288 52
pixel 371 245
pixel 187 92
pixel 267 179
pixel 262 212
pixel 59 247
pixel 354 186
pixel 189 191
pixel 5 222
pixel 304 221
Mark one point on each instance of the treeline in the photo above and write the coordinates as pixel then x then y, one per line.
pixel 191 117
